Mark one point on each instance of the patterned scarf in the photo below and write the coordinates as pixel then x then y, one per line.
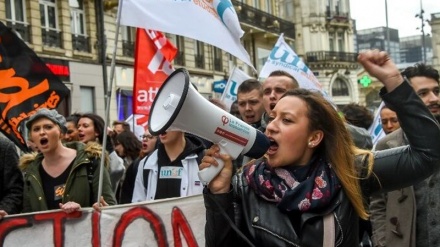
pixel 302 189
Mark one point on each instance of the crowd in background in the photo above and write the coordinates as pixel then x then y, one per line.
pixel 62 170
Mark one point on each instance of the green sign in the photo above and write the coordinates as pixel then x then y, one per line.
pixel 365 81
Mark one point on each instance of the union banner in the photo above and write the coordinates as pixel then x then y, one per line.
pixel 26 84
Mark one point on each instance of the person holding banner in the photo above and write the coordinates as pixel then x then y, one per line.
pixel 312 185
pixel 60 177
pixel 11 185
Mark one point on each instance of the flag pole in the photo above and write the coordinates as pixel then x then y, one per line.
pixel 109 94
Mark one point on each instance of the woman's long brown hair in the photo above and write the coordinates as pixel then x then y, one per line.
pixel 337 145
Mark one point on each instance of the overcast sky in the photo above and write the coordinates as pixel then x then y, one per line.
pixel 401 14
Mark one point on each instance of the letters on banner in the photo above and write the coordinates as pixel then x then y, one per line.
pixel 170 222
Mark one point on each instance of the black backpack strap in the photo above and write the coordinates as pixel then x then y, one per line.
pixel 91 168
pixel 145 173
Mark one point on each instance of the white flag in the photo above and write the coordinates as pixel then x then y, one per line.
pixel 230 93
pixel 213 22
pixel 137 124
pixel 282 57
pixel 375 129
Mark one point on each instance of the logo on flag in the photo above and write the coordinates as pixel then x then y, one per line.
pixel 27 85
pixel 230 92
pixel 282 57
pixel 219 86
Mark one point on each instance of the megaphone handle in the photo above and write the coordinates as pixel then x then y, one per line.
pixel 208 173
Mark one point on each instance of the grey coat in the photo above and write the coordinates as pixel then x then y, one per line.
pixel 398 204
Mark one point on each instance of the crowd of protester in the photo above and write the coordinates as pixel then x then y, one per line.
pixel 309 139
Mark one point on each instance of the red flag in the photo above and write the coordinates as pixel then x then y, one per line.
pixel 154 53
pixel 26 84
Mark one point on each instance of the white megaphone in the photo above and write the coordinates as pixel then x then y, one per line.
pixel 178 106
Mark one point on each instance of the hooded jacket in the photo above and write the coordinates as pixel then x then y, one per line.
pixel 77 189
pixel 190 184
pixel 265 225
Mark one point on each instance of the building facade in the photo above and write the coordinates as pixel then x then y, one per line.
pixel 74 35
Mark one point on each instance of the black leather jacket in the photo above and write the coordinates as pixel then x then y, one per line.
pixel 264 225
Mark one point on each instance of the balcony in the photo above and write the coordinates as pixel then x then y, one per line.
pixel 200 61
pixel 331 60
pixel 331 56
pixel 21 29
pixel 80 43
pixel 263 20
pixel 128 48
pixel 51 38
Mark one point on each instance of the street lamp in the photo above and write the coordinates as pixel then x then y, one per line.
pixel 420 15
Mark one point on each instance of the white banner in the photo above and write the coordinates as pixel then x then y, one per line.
pixel 282 57
pixel 137 124
pixel 375 129
pixel 230 93
pixel 170 222
pixel 213 22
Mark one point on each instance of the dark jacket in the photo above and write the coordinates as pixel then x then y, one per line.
pixel 11 180
pixel 77 185
pixel 265 225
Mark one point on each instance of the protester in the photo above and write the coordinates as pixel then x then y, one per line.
pixel 72 128
pixel 410 216
pixel 91 129
pixel 60 177
pixel 358 115
pixel 234 109
pixel 171 170
pixel 250 102
pixel 389 120
pixel 148 143
pixel 313 182
pixel 128 147
pixel 275 85
pixel 11 185
pixel 120 126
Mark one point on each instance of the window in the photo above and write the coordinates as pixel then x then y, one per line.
pixel 218 59
pixel 199 55
pixel 339 88
pixel 49 23
pixel 286 9
pixel 87 96
pixel 340 42
pixel 80 40
pixel 16 18
pixel 180 45
pixel 256 4
pixel 269 6
pixel 331 41
pixel 128 38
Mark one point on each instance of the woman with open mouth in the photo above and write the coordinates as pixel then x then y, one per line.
pixel 313 183
pixel 55 177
